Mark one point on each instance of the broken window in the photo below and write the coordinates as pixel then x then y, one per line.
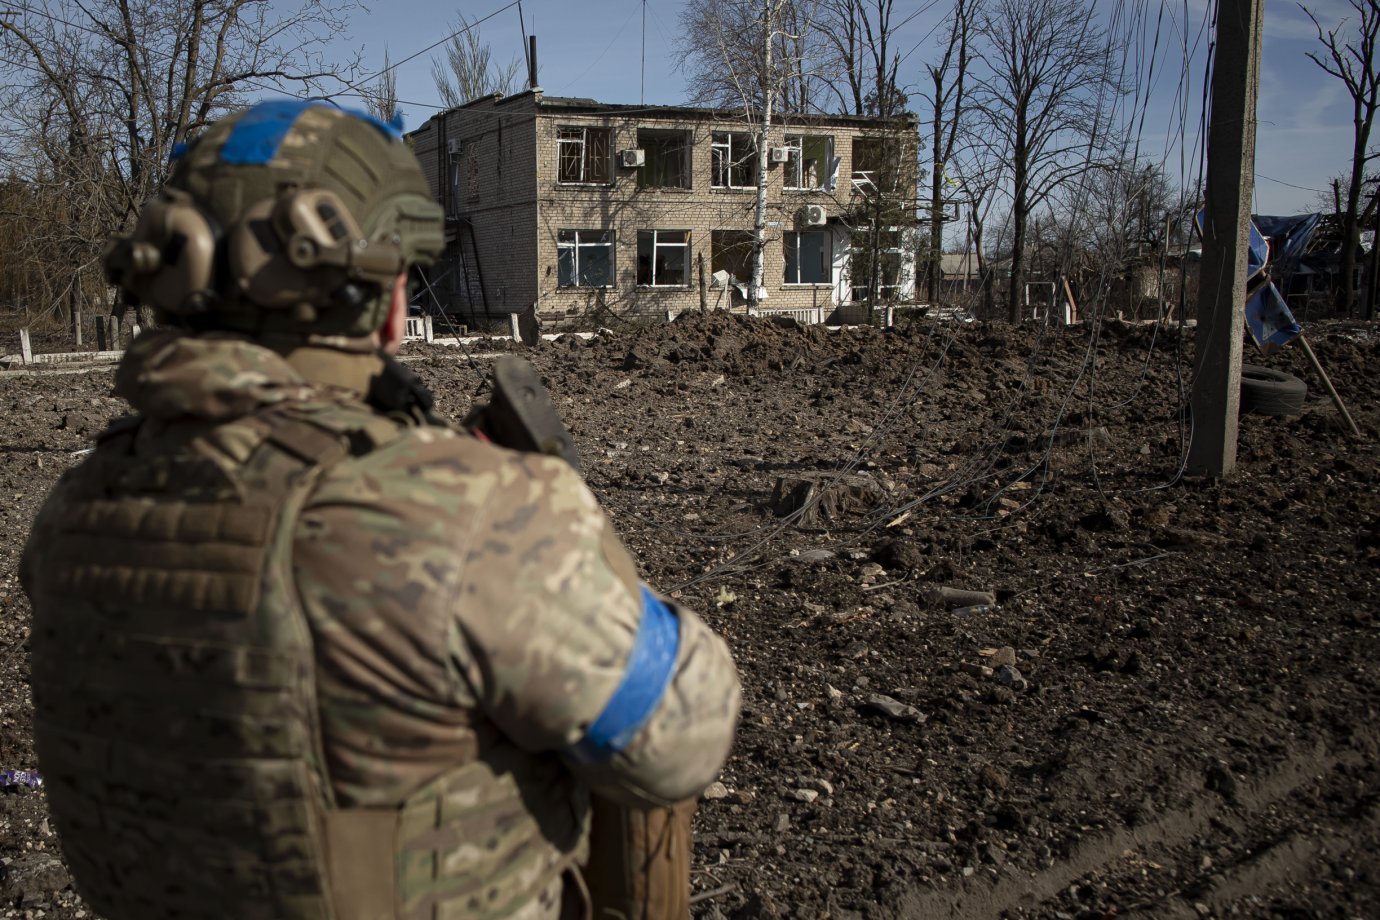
pixel 663 258
pixel 807 257
pixel 667 158
pixel 734 161
pixel 584 154
pixel 731 251
pixel 877 163
pixel 584 258
pixel 809 162
pixel 881 253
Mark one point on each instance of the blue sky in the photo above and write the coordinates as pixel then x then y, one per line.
pixel 594 48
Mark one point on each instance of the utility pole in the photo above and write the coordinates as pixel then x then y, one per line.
pixel 1222 284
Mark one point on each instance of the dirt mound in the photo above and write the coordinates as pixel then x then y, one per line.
pixel 1169 710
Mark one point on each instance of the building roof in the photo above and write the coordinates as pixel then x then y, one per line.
pixel 581 106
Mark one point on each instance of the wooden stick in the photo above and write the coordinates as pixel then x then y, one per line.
pixel 1073 304
pixel 26 352
pixel 1327 383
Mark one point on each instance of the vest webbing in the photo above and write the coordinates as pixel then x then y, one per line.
pixel 176 716
pixel 174 683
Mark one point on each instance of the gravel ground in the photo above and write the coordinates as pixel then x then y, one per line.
pixel 1168 708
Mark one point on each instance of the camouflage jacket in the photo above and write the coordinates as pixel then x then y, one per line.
pixel 469 607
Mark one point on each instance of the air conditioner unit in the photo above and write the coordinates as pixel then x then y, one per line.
pixel 631 159
pixel 813 215
pixel 777 154
pixel 452 146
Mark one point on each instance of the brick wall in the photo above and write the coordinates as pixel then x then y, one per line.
pixel 480 160
pixel 503 177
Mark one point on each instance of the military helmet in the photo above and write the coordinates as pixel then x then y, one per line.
pixel 289 216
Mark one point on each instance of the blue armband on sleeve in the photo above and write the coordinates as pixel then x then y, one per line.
pixel 650 667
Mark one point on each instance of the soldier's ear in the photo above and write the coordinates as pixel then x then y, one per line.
pixel 395 325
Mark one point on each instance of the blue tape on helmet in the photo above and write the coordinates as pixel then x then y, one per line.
pixel 259 133
pixel 648 674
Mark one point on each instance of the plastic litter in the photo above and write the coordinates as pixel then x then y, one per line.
pixel 30 778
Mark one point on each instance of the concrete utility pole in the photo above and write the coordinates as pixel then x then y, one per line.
pixel 1222 282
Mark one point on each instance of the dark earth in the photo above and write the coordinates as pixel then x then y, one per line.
pixel 1168 708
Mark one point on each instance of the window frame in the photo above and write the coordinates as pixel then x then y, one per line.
pixel 794 168
pixel 721 159
pixel 684 245
pixel 827 261
pixel 584 155
pixel 729 240
pixel 686 169
pixel 898 252
pixel 574 246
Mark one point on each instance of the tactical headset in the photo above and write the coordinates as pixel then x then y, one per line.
pixel 296 258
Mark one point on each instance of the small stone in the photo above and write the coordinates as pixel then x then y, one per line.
pixel 804 795
pixel 1009 676
pixel 783 822
pixel 1202 909
pixel 814 555
pixel 715 791
pixel 968 871
pixel 1002 696
pixel 977 670
pixel 834 693
pixel 855 650
pixel 1006 655
pixel 993 778
pixel 893 708
pixel 825 786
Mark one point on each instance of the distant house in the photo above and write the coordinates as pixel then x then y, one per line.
pixel 572 208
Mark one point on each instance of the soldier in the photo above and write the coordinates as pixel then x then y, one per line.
pixel 302 651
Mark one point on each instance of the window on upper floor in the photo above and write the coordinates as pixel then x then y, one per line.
pixel 807 257
pixel 878 163
pixel 809 162
pixel 667 154
pixel 663 258
pixel 584 258
pixel 584 155
pixel 734 161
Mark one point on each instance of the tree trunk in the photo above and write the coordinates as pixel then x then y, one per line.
pixel 1013 295
pixel 936 189
pixel 1020 210
pixel 759 214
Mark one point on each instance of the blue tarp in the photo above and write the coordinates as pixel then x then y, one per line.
pixel 1257 253
pixel 1269 319
pixel 1290 235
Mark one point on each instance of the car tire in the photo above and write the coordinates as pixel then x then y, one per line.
pixel 1266 391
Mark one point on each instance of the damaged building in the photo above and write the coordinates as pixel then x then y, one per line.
pixel 572 210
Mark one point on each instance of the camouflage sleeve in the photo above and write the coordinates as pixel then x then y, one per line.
pixel 569 657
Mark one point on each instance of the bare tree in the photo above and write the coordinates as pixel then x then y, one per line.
pixel 100 93
pixel 1351 57
pixel 381 94
pixel 1042 94
pixel 1114 224
pixel 470 70
pixel 946 99
pixel 980 171
pixel 739 54
pixel 859 56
